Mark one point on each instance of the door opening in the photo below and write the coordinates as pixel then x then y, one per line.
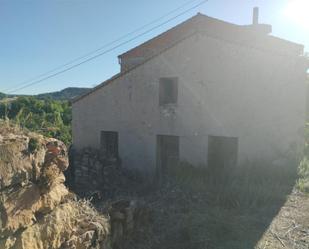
pixel 167 154
pixel 222 152
pixel 109 144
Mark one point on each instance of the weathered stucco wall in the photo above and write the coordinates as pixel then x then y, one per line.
pixel 224 89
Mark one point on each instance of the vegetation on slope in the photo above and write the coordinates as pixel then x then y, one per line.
pixel 49 117
pixel 2 95
pixel 47 113
pixel 303 169
pixel 65 94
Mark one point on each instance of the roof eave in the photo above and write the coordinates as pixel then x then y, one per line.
pixel 76 99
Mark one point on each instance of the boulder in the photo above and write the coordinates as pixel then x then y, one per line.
pixel 30 158
pixel 20 208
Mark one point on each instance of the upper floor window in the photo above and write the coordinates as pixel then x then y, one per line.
pixel 168 91
pixel 109 143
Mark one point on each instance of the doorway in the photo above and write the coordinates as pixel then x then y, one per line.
pixel 167 154
pixel 222 152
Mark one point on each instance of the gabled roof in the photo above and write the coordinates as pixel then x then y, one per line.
pixel 247 35
pixel 118 75
pixel 166 38
pixel 212 27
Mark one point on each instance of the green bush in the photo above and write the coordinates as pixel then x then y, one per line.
pixel 303 173
pixel 33 145
pixel 303 168
pixel 49 117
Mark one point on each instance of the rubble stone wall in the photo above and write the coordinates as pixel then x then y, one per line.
pixel 90 172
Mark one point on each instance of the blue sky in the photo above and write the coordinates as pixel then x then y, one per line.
pixel 39 35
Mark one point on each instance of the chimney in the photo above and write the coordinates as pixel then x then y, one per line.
pixel 255 20
pixel 256 26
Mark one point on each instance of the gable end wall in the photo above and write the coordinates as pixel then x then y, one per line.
pixel 224 90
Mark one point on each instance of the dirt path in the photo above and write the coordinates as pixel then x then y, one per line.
pixel 290 228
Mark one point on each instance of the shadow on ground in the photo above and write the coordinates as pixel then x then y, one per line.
pixel 198 210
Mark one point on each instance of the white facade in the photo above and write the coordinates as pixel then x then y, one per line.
pixel 224 89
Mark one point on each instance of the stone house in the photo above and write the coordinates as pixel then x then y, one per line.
pixel 208 92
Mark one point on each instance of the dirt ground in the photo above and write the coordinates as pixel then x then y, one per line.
pixel 254 207
pixel 290 228
pixel 185 219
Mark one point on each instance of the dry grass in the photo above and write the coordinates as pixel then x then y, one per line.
pixel 231 210
pixel 246 186
pixel 7 126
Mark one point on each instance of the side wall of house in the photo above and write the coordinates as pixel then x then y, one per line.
pixel 224 90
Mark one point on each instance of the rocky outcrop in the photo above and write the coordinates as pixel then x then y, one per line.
pixel 37 211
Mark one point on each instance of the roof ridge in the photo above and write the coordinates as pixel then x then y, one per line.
pixel 162 34
pixel 172 44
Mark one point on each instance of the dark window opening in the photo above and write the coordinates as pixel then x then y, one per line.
pixel 168 91
pixel 222 152
pixel 167 155
pixel 109 143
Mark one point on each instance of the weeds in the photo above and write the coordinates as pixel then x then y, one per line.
pixel 249 186
pixel 231 209
pixel 33 145
pixel 303 173
pixel 303 168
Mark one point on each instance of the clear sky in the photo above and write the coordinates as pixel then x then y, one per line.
pixel 39 35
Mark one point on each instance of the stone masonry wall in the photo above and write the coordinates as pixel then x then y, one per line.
pixel 91 173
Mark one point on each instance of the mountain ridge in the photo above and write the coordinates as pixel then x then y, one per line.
pixel 64 94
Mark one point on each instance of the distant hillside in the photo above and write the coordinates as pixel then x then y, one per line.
pixel 9 96
pixel 65 94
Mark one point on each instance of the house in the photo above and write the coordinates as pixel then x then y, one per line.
pixel 208 92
